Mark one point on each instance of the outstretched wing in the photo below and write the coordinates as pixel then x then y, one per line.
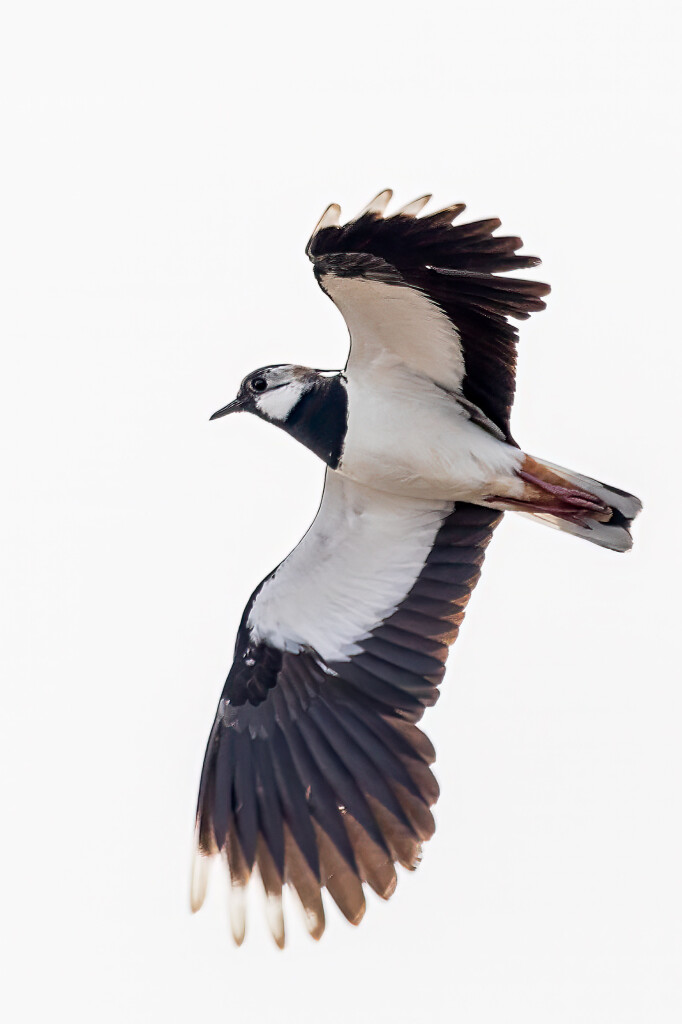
pixel 315 770
pixel 427 292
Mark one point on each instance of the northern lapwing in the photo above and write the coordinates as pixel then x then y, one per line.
pixel 316 772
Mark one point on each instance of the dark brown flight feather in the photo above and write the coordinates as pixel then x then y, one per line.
pixel 457 266
pixel 320 776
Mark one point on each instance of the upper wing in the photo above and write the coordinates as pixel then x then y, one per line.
pixel 315 770
pixel 426 291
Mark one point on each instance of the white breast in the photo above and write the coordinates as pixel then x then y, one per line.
pixel 408 436
pixel 357 562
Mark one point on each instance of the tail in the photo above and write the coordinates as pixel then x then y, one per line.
pixel 577 504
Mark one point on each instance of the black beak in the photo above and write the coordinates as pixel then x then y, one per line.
pixel 236 406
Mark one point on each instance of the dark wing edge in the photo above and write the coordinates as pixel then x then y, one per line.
pixel 457 266
pixel 326 781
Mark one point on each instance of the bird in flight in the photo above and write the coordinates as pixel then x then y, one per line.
pixel 316 772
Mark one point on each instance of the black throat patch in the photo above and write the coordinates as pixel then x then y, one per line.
pixel 320 418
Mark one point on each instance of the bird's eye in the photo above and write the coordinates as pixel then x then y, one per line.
pixel 259 384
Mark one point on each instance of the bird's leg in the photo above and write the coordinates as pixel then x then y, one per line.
pixel 546 492
pixel 573 515
pixel 570 495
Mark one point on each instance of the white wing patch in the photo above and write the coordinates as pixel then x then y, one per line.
pixel 355 565
pixel 400 321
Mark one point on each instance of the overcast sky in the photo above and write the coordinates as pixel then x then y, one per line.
pixel 163 166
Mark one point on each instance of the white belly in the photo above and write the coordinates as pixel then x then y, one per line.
pixel 407 436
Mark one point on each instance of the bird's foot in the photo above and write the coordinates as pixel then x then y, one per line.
pixel 581 501
pixel 573 515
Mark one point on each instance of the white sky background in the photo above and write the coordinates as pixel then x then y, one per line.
pixel 163 166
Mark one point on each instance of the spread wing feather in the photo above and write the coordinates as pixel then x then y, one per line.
pixel 318 775
pixel 452 271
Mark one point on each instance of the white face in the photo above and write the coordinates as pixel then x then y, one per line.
pixel 285 385
pixel 277 403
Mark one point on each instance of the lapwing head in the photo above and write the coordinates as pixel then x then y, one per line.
pixel 272 392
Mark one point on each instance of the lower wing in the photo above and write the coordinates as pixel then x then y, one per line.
pixel 315 771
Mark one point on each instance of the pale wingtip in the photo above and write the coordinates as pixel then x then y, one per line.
pixel 315 924
pixel 275 918
pixel 415 207
pixel 199 880
pixel 377 206
pixel 329 219
pixel 237 907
